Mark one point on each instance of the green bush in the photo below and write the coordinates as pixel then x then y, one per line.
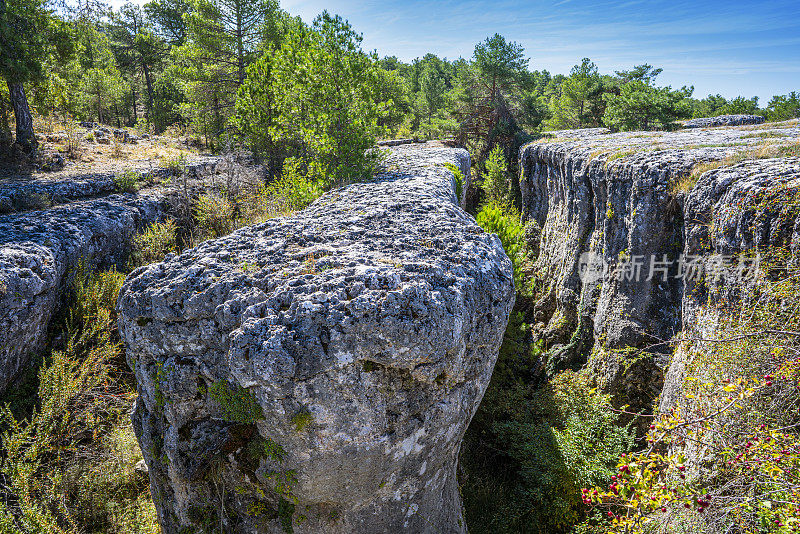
pixel 127 181
pixel 641 106
pixel 505 222
pixel 321 98
pixel 154 243
pixel 495 179
pixel 174 165
pixel 214 215
pixel 533 445
pixel 295 189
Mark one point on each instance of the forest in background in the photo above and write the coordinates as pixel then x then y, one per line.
pixel 234 73
pixel 310 102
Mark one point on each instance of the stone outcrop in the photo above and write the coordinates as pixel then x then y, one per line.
pixel 24 193
pixel 733 214
pixel 317 372
pixel 396 142
pixel 39 252
pixel 724 120
pixel 608 206
pixel 69 223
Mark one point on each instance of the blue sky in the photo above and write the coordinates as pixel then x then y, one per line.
pixel 749 48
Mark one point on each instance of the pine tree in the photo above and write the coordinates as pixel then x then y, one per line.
pixel 25 32
pixel 223 39
pixel 490 95
pixel 574 107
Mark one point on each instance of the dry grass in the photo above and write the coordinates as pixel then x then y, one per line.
pixel 765 150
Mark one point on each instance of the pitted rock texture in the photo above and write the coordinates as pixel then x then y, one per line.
pixel 40 249
pixel 724 120
pixel 735 213
pixel 39 252
pixel 356 338
pixel 607 202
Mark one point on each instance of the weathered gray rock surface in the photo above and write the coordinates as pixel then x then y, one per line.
pixel 41 248
pixel 39 251
pixel 320 370
pixel 732 215
pixel 724 120
pixel 23 193
pixel 612 206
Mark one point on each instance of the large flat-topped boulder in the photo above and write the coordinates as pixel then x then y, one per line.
pixel 317 372
pixel 611 211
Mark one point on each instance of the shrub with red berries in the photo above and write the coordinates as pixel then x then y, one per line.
pixel 727 453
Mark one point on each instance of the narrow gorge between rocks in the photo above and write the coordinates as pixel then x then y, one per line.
pixel 304 267
pixel 317 372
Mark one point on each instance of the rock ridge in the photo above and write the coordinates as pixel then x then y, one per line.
pixel 317 372
pixel 603 200
pixel 90 226
pixel 724 120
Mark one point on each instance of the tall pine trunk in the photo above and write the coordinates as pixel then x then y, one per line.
pixel 135 113
pixel 239 45
pixel 22 113
pixel 5 132
pixel 149 83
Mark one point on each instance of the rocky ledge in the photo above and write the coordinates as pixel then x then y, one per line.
pixel 317 372
pixel 22 193
pixel 618 216
pixel 40 251
pixel 724 120
pixel 71 224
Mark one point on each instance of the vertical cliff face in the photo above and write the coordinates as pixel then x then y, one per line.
pixel 318 372
pixel 736 218
pixel 616 230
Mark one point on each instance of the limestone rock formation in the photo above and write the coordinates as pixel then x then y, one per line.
pixel 611 209
pixel 732 214
pixel 317 372
pixel 41 245
pixel 39 252
pixel 23 193
pixel 724 120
